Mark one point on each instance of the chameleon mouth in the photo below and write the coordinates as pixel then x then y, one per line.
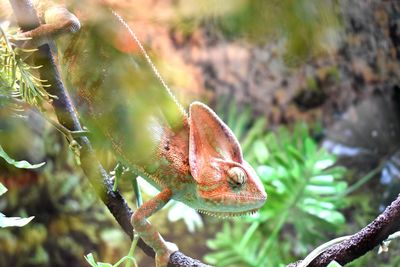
pixel 227 214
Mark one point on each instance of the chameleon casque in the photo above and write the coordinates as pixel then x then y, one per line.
pixel 122 100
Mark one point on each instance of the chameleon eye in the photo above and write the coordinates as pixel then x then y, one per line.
pixel 237 176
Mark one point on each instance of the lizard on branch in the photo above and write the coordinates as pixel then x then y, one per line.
pixel 193 158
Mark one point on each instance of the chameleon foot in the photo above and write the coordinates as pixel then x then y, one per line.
pixel 162 256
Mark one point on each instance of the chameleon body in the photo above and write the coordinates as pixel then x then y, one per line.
pixel 193 158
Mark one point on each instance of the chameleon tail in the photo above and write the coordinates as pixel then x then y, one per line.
pixel 149 61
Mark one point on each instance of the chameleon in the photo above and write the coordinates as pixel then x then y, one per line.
pixel 190 157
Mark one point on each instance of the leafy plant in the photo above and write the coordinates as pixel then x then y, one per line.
pixel 77 223
pixel 23 164
pixel 14 221
pixel 90 259
pixel 128 258
pixel 334 264
pixel 18 79
pixel 304 188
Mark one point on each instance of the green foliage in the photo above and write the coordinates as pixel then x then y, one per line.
pixel 300 175
pixel 3 189
pixel 129 258
pixel 334 264
pixel 90 259
pixel 12 221
pixel 303 187
pixel 23 164
pixel 18 80
pixel 77 224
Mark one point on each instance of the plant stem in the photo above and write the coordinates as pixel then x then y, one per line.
pixel 362 181
pixel 249 233
pixel 132 250
pixel 272 238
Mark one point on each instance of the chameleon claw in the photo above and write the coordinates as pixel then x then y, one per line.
pixel 172 247
pixel 162 256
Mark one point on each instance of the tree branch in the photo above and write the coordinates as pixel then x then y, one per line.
pixel 363 241
pixel 27 19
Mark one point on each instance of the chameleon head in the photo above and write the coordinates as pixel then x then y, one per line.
pixel 226 185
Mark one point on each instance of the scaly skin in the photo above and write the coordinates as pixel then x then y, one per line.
pixel 195 158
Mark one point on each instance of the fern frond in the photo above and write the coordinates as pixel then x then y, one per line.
pixel 18 79
pixel 301 180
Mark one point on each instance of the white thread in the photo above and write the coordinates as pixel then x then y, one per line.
pixel 149 61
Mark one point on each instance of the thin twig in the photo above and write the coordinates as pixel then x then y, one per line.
pixel 27 19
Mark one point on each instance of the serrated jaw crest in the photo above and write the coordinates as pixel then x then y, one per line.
pixel 225 215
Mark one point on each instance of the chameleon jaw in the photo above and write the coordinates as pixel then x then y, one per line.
pixel 227 214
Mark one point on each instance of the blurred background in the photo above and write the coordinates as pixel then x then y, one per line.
pixel 310 88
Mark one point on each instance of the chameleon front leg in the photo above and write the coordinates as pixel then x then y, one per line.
pixel 149 233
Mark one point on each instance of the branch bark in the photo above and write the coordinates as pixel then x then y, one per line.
pixel 363 241
pixel 27 19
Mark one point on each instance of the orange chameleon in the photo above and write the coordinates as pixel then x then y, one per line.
pixel 193 158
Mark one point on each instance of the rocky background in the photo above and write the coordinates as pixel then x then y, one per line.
pixel 335 66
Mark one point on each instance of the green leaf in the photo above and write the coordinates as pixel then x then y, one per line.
pixel 247 236
pixel 310 146
pixel 23 164
pixel 280 187
pixel 229 260
pixel 3 189
pixel 334 264
pixel 255 131
pixel 214 258
pixel 295 154
pixel 241 122
pixel 261 151
pixel 322 180
pixel 232 114
pixel 324 163
pixel 90 259
pixel 321 204
pixel 330 216
pixel 14 221
pixel 321 190
pixel 266 173
pixel 282 160
pixel 41 257
pixel 126 258
pixel 104 264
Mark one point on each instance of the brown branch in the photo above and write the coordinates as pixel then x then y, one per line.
pixel 363 241
pixel 27 19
